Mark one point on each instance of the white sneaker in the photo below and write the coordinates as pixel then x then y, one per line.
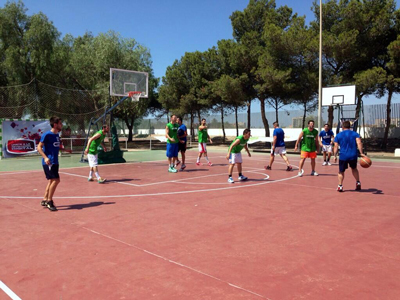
pixel 329 164
pixel 324 164
pixel 230 180
pixel 300 174
pixel 242 178
pixel 313 173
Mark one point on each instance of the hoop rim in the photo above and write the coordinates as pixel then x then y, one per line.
pixel 135 95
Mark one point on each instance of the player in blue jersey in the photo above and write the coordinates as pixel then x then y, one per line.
pixel 325 142
pixel 278 147
pixel 49 147
pixel 348 141
pixel 182 134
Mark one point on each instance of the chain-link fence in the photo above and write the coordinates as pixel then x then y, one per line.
pixel 37 100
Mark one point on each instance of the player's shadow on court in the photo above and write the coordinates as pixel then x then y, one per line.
pixel 123 180
pixel 82 206
pixel 195 170
pixel 372 191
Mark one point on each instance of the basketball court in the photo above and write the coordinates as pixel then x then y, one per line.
pixel 148 233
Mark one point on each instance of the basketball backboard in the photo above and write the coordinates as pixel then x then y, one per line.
pixel 124 81
pixel 339 95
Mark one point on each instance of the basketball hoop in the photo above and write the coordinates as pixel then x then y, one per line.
pixel 135 96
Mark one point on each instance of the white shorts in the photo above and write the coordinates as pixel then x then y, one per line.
pixel 202 147
pixel 235 158
pixel 92 158
pixel 279 150
pixel 327 148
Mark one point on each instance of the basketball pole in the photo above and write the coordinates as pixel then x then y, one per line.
pixel 320 67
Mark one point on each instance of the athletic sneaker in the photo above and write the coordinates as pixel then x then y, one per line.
pixel 101 180
pixel 198 164
pixel 209 164
pixel 313 173
pixel 340 188
pixel 329 164
pixel 300 174
pixel 90 179
pixel 177 163
pixel 43 203
pixel 242 178
pixel 172 170
pixel 267 168
pixel 358 186
pixel 289 168
pixel 183 167
pixel 230 180
pixel 50 205
pixel 324 163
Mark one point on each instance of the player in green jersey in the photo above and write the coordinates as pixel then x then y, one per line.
pixel 171 133
pixel 203 137
pixel 92 152
pixel 309 147
pixel 234 154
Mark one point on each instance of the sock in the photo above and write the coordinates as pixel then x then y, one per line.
pixel 198 159
pixel 97 175
pixel 240 174
pixel 229 176
pixel 90 174
pixel 207 159
pixel 171 165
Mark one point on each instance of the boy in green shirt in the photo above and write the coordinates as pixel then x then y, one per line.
pixel 92 152
pixel 234 154
pixel 309 147
pixel 171 133
pixel 203 137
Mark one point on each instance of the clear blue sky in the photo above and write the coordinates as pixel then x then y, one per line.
pixel 169 28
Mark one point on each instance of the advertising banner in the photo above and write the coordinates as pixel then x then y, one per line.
pixel 20 137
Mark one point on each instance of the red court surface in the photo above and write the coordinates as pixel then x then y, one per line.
pixel 150 234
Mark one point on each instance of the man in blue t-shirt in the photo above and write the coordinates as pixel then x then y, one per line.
pixel 348 141
pixel 278 147
pixel 326 141
pixel 48 147
pixel 182 134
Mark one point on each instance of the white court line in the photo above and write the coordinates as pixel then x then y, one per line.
pixel 175 262
pixel 9 292
pixel 83 176
pixel 157 194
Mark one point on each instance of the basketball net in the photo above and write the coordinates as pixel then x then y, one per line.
pixel 135 96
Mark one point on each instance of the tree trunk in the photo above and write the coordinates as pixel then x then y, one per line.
pixel 191 124
pixel 236 120
pixel 276 111
pixel 248 114
pixel 264 119
pixel 358 108
pixel 330 116
pixel 222 123
pixel 388 119
pixel 304 115
pixel 130 129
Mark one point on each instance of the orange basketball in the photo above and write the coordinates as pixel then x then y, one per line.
pixel 365 162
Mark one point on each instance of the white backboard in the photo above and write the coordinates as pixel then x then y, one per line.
pixel 124 81
pixel 339 95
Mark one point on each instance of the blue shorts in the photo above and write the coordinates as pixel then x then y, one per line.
pixel 172 150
